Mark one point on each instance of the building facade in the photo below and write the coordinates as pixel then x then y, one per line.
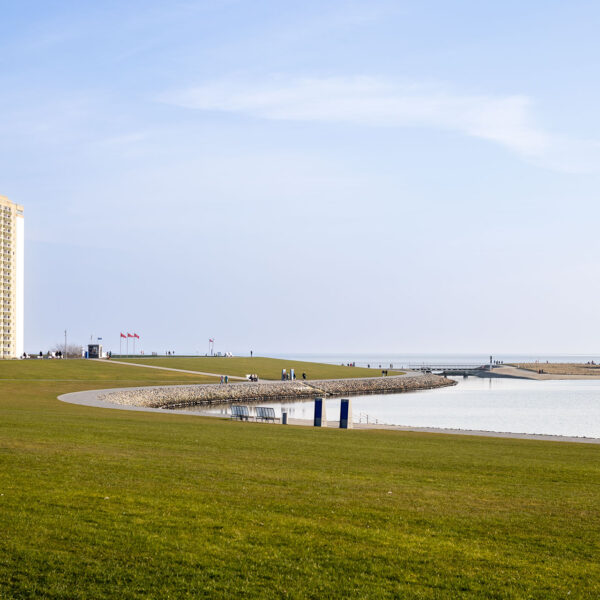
pixel 12 274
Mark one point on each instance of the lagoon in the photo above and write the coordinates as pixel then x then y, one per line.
pixel 568 407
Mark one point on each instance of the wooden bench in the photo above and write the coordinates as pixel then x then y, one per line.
pixel 266 413
pixel 241 413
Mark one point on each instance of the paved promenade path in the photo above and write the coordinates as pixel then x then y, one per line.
pixel 118 362
pixel 93 398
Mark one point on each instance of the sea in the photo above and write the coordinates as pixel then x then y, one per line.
pixel 407 360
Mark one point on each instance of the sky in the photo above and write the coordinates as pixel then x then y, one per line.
pixel 306 177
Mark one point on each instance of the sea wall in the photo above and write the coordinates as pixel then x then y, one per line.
pixel 264 391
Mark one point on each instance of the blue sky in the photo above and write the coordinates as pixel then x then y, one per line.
pixel 306 177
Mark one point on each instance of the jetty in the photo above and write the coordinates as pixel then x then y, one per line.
pixel 213 394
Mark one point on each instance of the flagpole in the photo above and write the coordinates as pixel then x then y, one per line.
pixel 120 345
pixel 134 343
pixel 128 343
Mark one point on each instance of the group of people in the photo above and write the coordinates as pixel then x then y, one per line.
pixel 290 375
pixel 50 354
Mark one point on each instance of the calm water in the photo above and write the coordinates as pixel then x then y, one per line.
pixel 510 405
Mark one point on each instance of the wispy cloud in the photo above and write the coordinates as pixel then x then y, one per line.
pixel 506 120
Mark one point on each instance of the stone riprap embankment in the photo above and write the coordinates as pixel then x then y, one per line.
pixel 380 385
pixel 210 394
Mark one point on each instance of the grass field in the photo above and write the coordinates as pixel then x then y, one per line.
pixel 266 368
pixel 107 374
pixel 97 503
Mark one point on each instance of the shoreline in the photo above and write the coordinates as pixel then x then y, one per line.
pixel 97 399
pixel 212 394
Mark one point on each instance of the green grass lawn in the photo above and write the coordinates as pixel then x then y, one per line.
pixel 98 503
pixel 266 368
pixel 106 373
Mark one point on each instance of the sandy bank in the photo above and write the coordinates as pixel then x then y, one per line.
pixel 551 372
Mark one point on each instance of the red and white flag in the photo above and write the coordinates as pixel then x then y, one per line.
pixel 135 335
pixel 129 335
pixel 123 335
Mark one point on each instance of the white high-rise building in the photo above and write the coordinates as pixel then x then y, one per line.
pixel 12 275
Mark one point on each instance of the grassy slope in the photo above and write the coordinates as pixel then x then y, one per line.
pixel 113 504
pixel 266 368
pixel 92 371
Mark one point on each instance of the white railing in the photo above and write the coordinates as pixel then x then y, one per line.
pixel 364 417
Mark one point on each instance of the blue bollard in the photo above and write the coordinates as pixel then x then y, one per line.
pixel 320 418
pixel 345 414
